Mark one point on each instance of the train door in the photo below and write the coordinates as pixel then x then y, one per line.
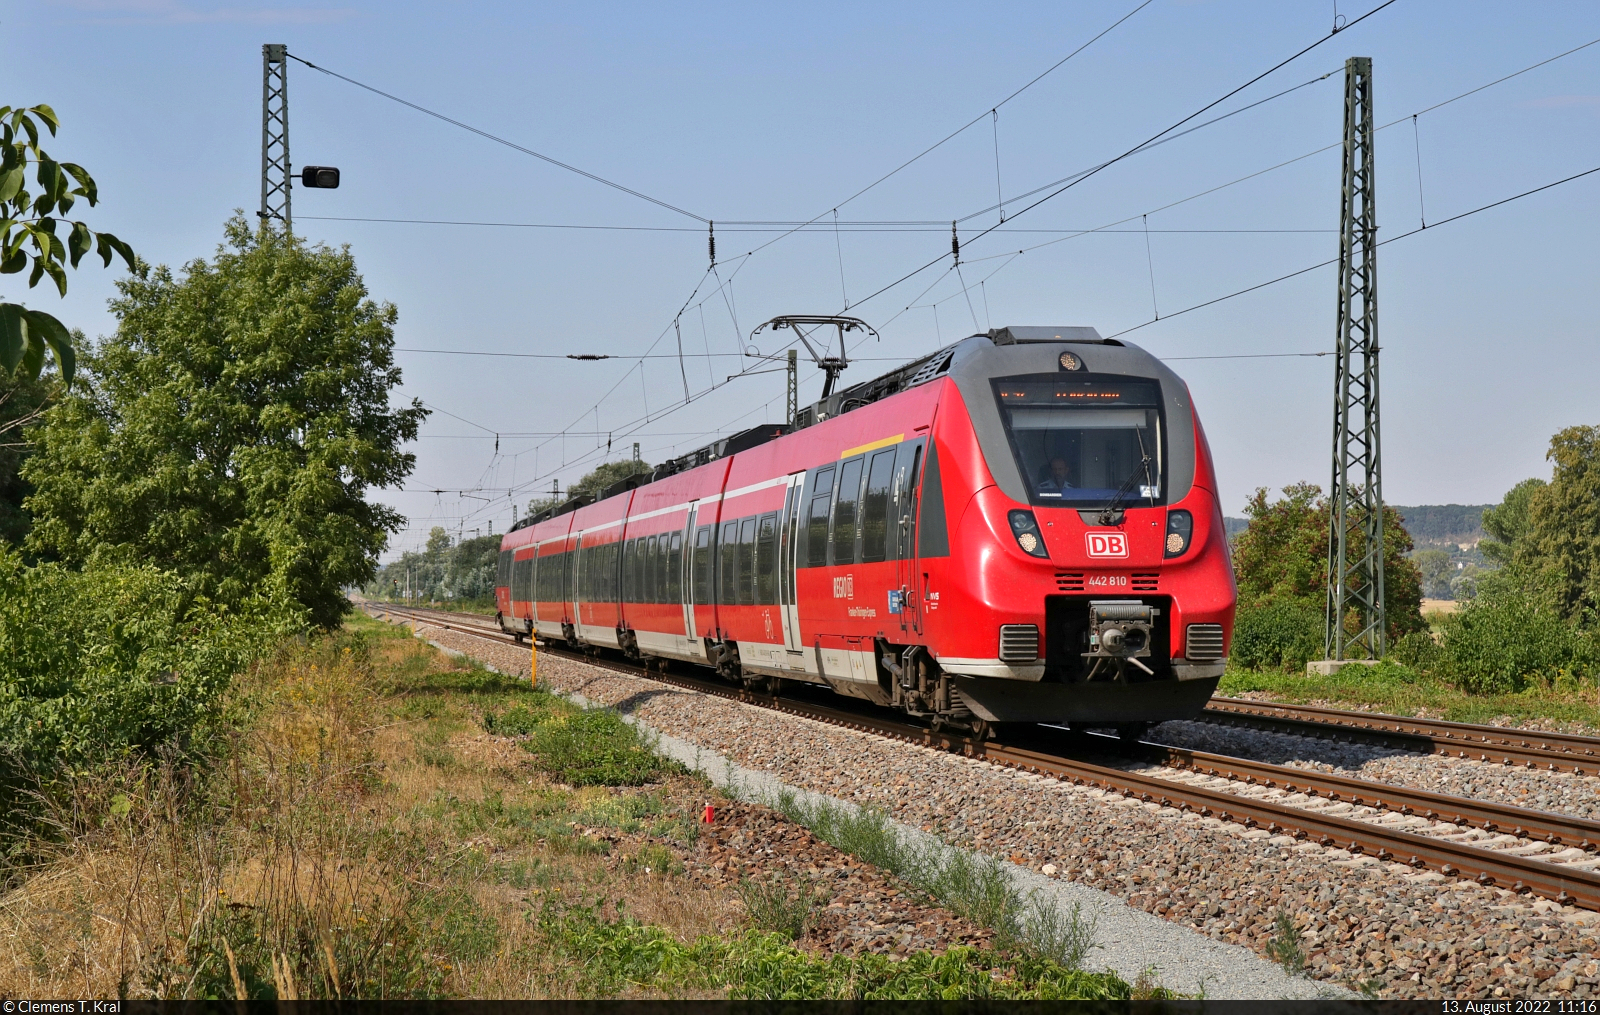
pixel 788 530
pixel 908 601
pixel 576 574
pixel 687 582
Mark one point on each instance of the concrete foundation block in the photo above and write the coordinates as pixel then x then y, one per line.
pixel 1328 667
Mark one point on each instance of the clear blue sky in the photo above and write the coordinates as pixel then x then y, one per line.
pixel 781 112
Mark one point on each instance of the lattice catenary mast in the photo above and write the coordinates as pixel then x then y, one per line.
pixel 275 135
pixel 792 388
pixel 1355 537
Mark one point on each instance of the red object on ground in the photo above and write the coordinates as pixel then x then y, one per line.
pixel 711 814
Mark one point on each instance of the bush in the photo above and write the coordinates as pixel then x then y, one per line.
pixel 1280 635
pixel 756 966
pixel 1511 633
pixel 97 663
pixel 594 747
pixel 1417 651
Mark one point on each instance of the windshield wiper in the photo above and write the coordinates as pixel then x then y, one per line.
pixel 1111 513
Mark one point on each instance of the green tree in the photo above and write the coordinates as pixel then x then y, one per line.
pixel 1281 565
pixel 22 401
pixel 1507 522
pixel 464 572
pixel 1434 566
pixel 438 541
pixel 28 218
pixel 595 483
pixel 232 427
pixel 1563 523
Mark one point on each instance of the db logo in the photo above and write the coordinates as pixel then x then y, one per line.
pixel 1107 544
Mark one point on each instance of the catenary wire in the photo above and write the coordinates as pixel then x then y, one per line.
pixel 1392 239
pixel 500 140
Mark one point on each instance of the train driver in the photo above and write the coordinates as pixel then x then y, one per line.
pixel 1059 478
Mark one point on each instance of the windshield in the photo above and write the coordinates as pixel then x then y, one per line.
pixel 1082 440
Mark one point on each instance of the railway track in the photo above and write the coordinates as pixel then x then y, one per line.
pixel 1555 752
pixel 1493 844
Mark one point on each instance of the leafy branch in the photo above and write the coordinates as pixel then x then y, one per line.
pixel 30 224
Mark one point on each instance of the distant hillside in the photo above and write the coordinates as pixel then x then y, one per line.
pixel 1444 524
pixel 1430 525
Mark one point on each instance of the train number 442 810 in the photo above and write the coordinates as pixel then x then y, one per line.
pixel 1105 580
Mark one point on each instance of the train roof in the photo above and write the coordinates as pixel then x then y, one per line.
pixel 1129 358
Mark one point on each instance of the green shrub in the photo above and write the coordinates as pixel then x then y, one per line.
pixel 1510 633
pixel 100 662
pixel 516 721
pixel 594 747
pixel 1417 651
pixel 756 966
pixel 1280 635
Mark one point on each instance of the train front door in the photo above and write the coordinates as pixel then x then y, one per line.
pixel 787 548
pixel 907 600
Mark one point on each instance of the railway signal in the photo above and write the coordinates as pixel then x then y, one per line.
pixel 325 177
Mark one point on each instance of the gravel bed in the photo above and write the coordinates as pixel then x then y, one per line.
pixel 1561 792
pixel 865 910
pixel 1400 933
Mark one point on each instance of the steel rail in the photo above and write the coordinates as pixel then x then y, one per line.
pixel 1563 884
pixel 1556 752
pixel 1487 816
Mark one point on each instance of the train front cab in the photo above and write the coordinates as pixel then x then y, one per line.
pixel 1081 507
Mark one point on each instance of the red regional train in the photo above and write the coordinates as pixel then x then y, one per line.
pixel 1021 527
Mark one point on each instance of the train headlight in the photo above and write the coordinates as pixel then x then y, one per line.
pixel 1069 361
pixel 1026 529
pixel 1180 530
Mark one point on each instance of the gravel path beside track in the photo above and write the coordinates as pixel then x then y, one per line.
pixel 1561 792
pixel 1403 934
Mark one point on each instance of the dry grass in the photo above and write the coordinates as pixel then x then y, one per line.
pixel 360 837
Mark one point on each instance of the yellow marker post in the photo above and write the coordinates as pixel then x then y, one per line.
pixel 533 659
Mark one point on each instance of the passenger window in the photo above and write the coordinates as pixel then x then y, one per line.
pixel 875 508
pixel 747 562
pixel 675 569
pixel 844 512
pixel 647 588
pixel 702 565
pixel 658 569
pixel 630 593
pixel 767 560
pixel 728 565
pixel 817 519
